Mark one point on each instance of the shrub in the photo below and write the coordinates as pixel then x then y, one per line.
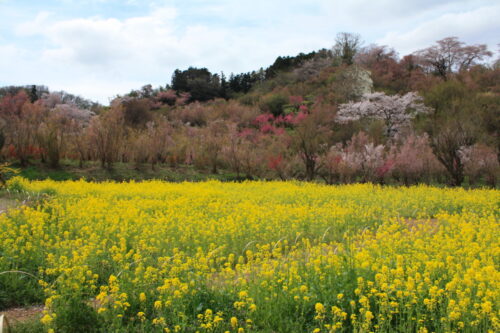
pixel 274 104
pixel 17 184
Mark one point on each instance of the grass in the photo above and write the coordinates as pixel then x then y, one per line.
pixel 92 171
pixel 28 326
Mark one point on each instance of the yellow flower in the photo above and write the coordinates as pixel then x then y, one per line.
pixel 319 308
pixel 47 319
pixel 234 322
pixel 486 307
pixel 177 239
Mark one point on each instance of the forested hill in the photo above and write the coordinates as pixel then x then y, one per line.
pixel 343 114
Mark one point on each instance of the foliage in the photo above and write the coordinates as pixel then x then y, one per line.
pixel 274 104
pixel 283 64
pixel 198 82
pixel 351 83
pixel 5 171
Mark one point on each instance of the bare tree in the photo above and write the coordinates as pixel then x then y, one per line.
pixel 310 138
pixel 471 54
pixel 79 136
pixel 158 139
pixel 211 143
pixel 447 146
pixel 346 46
pixel 232 151
pixel 22 131
pixel 106 135
pixel 372 54
pixel 51 135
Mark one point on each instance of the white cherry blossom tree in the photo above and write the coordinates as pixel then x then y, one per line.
pixel 395 111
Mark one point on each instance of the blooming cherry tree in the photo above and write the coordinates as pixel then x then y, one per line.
pixel 396 111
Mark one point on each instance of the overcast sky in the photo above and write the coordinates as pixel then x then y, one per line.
pixel 100 48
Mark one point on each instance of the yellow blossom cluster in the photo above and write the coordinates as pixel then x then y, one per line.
pixel 258 256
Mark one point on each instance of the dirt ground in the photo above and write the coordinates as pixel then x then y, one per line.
pixel 17 315
pixel 6 203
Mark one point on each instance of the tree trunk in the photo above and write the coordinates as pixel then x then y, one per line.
pixel 310 169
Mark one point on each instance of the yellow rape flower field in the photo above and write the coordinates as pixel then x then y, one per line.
pixel 254 257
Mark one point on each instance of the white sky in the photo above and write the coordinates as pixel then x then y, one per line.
pixel 100 48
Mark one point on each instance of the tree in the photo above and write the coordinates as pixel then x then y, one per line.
pixel 106 135
pixel 496 64
pixel 157 140
pixel 480 161
pixel 284 64
pixel 274 104
pixel 310 138
pixel 80 140
pixel 21 118
pixel 395 111
pixel 52 135
pixel 449 55
pixel 136 111
pixel 447 146
pixel 198 82
pixel 311 68
pixel 414 160
pixel 211 143
pixel 2 138
pixel 22 131
pixel 387 72
pixel 454 124
pixel 351 83
pixel 33 94
pixel 346 47
pixel 232 151
pixel 362 156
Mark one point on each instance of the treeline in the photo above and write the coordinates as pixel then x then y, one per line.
pixel 202 85
pixel 348 114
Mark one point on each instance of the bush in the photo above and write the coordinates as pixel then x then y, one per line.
pixel 17 184
pixel 274 104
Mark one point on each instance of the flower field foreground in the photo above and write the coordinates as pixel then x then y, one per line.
pixel 255 257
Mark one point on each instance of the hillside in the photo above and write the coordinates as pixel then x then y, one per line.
pixel 339 115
